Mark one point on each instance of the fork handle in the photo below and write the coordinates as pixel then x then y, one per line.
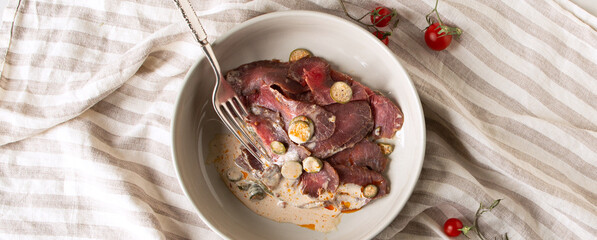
pixel 213 61
pixel 188 13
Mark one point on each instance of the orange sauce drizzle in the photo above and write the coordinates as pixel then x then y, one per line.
pixel 350 211
pixel 309 226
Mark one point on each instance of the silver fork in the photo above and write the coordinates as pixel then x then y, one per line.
pixel 227 104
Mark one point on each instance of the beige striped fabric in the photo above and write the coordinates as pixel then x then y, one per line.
pixel 87 91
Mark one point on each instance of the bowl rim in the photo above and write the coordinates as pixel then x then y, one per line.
pixel 408 187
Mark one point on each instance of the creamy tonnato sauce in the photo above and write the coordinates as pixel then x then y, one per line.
pixel 285 203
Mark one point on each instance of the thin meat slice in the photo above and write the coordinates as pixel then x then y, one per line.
pixel 387 116
pixel 359 91
pixel 296 70
pixel 324 121
pixel 363 176
pixel 267 127
pixel 248 78
pixel 247 162
pixel 353 122
pixel 315 72
pixel 363 154
pixel 267 114
pixel 268 175
pixel 315 184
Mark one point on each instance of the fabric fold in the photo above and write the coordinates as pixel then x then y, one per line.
pixel 68 96
pixel 87 92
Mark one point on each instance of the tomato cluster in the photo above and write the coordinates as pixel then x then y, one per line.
pixel 438 35
pixel 381 17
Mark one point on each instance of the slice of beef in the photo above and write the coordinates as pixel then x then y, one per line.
pixel 363 154
pixel 247 162
pixel 297 69
pixel 267 127
pixel 314 184
pixel 267 114
pixel 248 78
pixel 315 72
pixel 270 176
pixel 387 116
pixel 324 121
pixel 363 176
pixel 353 122
pixel 359 91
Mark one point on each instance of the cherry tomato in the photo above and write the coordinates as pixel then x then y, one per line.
pixel 451 227
pixel 382 18
pixel 434 40
pixel 382 36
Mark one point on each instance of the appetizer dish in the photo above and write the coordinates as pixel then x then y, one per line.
pixel 328 138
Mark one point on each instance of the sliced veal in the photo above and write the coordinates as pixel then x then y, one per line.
pixel 387 116
pixel 324 121
pixel 363 176
pixel 359 91
pixel 353 122
pixel 363 154
pixel 248 78
pixel 247 162
pixel 316 74
pixel 315 184
pixel 270 130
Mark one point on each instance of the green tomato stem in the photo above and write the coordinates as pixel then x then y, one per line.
pixel 478 214
pixel 445 30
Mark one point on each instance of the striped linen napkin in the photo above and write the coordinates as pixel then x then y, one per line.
pixel 87 90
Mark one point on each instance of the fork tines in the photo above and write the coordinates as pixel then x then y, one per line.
pixel 234 117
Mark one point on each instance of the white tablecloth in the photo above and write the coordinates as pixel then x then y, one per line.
pixel 87 91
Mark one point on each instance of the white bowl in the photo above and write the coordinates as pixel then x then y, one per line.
pixel 348 48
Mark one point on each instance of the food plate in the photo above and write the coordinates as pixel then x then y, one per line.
pixel 348 48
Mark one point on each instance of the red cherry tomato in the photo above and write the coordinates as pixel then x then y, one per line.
pixel 382 36
pixel 451 227
pixel 382 18
pixel 434 40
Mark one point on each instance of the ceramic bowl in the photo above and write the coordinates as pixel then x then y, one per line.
pixel 350 49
